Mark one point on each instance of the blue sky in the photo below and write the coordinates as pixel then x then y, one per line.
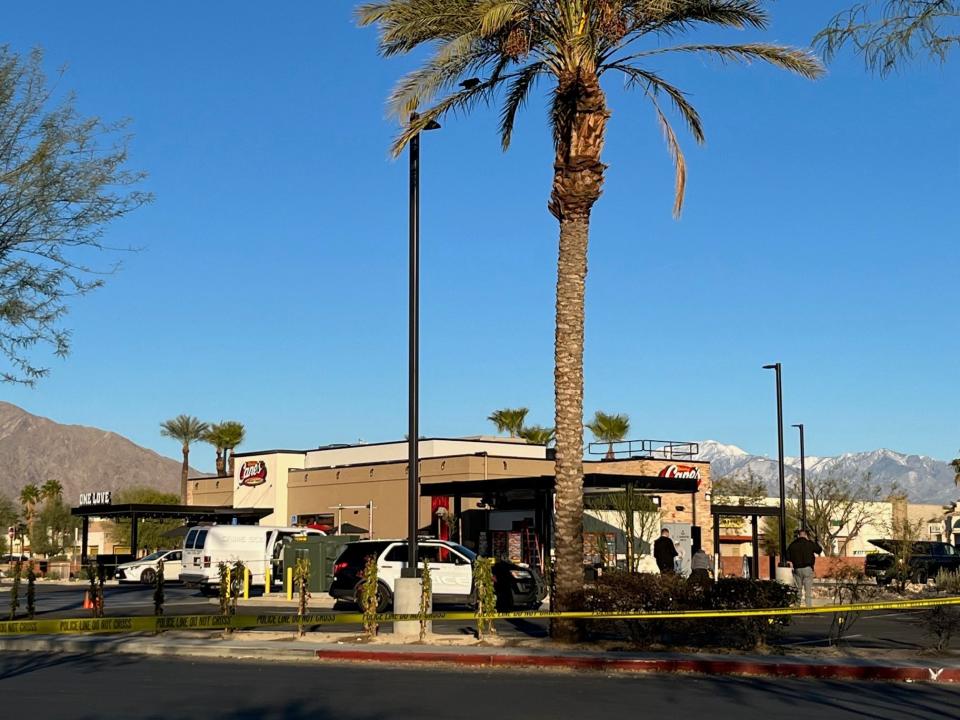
pixel 820 231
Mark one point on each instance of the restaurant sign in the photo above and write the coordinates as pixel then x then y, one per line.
pixel 681 472
pixel 95 498
pixel 253 473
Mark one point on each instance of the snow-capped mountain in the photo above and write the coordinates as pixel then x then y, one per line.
pixel 923 479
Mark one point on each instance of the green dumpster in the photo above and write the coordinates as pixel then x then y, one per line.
pixel 320 551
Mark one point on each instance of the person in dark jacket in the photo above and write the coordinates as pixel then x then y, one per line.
pixel 664 552
pixel 802 554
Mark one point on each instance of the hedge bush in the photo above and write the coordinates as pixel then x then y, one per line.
pixel 626 592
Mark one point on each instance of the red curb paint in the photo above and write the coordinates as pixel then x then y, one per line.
pixel 704 667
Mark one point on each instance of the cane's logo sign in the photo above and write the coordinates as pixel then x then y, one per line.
pixel 253 473
pixel 681 472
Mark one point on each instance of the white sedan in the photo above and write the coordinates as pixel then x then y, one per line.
pixel 144 570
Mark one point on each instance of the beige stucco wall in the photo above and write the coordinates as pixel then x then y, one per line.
pixel 216 492
pixel 398 451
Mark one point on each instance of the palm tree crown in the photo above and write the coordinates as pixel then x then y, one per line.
pixel 609 428
pixel 509 420
pixel 955 464
pixel 185 428
pixel 537 434
pixel 510 45
pixel 51 490
pixel 232 434
pixel 29 495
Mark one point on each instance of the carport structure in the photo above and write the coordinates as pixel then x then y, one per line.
pixel 134 512
pixel 753 512
pixel 536 493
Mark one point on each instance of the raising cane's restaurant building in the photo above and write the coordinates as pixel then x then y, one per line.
pixel 494 494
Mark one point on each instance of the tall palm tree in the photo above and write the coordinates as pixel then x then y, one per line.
pixel 609 428
pixel 29 498
pixel 52 490
pixel 537 434
pixel 232 435
pixel 955 464
pixel 187 430
pixel 510 45
pixel 509 420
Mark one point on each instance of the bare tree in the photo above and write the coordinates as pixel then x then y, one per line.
pixel 62 181
pixel 891 33
pixel 634 514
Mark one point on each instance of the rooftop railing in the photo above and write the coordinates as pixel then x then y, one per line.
pixel 656 449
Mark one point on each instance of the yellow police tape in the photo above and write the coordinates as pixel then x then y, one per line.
pixel 221 622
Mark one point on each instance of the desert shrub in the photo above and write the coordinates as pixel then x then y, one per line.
pixel 948 582
pixel 627 592
pixel 849 586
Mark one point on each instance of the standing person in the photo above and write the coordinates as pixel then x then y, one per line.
pixel 701 567
pixel 802 554
pixel 664 552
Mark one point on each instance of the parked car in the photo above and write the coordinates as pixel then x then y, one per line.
pixel 144 570
pixel 451 574
pixel 925 560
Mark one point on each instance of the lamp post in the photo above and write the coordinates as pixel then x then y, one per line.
pixel 783 508
pixel 803 480
pixel 413 430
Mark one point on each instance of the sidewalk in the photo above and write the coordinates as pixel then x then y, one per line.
pixel 464 652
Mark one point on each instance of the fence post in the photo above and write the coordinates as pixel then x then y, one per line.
pixel 289 583
pixel 266 580
pixel 246 583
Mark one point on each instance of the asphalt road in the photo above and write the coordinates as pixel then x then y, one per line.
pixel 879 630
pixel 104 687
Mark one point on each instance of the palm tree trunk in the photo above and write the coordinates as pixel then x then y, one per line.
pixel 184 473
pixel 221 465
pixel 577 182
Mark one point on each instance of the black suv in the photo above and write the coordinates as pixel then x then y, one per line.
pixel 926 559
pixel 451 574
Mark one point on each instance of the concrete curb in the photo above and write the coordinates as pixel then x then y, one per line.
pixel 215 647
pixel 752 667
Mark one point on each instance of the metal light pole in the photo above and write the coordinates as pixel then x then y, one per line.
pixel 413 430
pixel 783 508
pixel 803 480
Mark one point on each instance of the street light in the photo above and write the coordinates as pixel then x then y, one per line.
pixel 783 508
pixel 803 480
pixel 413 431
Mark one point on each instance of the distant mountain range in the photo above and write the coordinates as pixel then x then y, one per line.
pixel 923 479
pixel 34 449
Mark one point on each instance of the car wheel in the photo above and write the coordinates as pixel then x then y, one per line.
pixel 383 598
pixel 148 576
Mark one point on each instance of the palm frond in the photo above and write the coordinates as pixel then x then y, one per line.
pixel 802 62
pixel 653 83
pixel 498 15
pixel 517 95
pixel 406 24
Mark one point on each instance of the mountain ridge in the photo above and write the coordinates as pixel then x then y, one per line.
pixel 923 479
pixel 82 458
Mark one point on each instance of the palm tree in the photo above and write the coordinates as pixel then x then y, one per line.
pixel 609 428
pixel 216 436
pixel 52 490
pixel 537 434
pixel 187 430
pixel 511 45
pixel 509 420
pixel 232 435
pixel 29 497
pixel 955 464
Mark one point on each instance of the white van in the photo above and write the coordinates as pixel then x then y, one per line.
pixel 256 546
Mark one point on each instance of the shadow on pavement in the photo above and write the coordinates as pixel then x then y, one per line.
pixel 18 664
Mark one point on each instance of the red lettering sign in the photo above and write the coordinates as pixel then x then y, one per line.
pixel 253 473
pixel 683 472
